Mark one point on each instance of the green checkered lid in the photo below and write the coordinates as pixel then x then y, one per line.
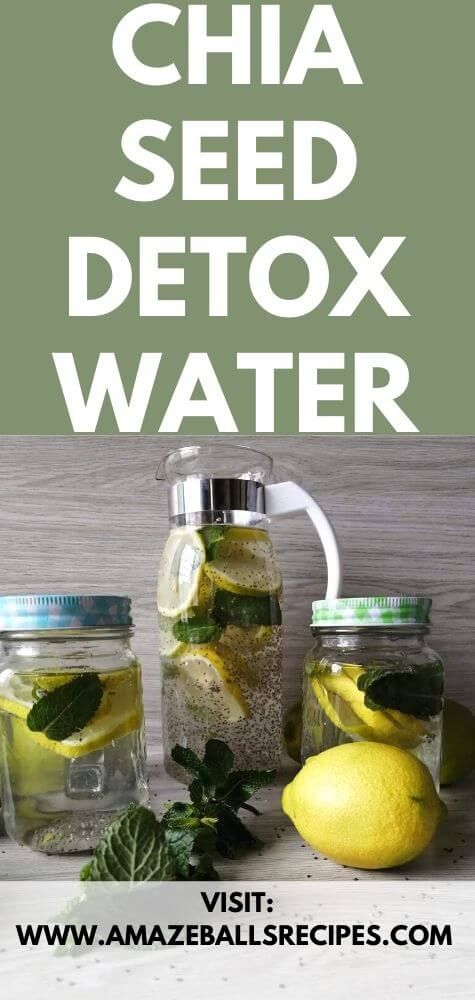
pixel 354 611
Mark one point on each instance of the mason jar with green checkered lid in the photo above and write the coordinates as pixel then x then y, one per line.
pixel 371 676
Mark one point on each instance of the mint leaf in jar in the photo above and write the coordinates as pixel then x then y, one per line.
pixel 413 691
pixel 212 535
pixel 196 631
pixel 66 709
pixel 236 609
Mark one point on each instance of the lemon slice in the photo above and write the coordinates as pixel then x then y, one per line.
pixel 15 694
pixel 170 647
pixel 207 674
pixel 119 713
pixel 245 563
pixel 235 533
pixel 253 638
pixel 344 705
pixel 31 771
pixel 167 644
pixel 242 657
pixel 340 712
pixel 180 573
pixel 205 595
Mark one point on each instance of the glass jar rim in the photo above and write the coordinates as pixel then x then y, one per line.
pixel 401 628
pixel 74 634
pixel 214 459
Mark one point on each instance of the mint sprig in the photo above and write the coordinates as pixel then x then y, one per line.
pixel 138 847
pixel 67 709
pixel 217 794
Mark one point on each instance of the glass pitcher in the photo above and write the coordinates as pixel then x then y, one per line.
pixel 220 601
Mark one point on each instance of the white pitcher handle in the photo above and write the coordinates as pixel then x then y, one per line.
pixel 288 498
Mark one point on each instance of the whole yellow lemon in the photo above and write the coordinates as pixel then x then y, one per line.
pixel 365 805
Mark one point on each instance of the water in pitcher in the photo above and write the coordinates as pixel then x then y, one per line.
pixel 220 624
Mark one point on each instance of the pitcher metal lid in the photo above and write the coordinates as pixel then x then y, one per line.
pixel 196 496
pixel 215 477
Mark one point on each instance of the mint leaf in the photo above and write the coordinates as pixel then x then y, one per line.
pixel 236 609
pixel 180 842
pixel 212 535
pixel 189 761
pixel 232 836
pixel 181 814
pixel 242 785
pixel 312 668
pixel 85 875
pixel 205 871
pixel 208 774
pixel 199 792
pixel 219 760
pixel 414 691
pixel 196 630
pixel 132 849
pixel 66 709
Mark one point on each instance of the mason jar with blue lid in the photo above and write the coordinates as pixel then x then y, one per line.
pixel 72 747
pixel 372 676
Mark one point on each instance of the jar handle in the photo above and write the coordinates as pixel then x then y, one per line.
pixel 288 498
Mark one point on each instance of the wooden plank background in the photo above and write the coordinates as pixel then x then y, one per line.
pixel 85 513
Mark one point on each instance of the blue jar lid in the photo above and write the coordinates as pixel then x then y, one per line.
pixel 29 612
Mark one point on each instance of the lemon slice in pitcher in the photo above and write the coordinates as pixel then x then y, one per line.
pixel 168 645
pixel 252 638
pixel 180 573
pixel 245 564
pixel 237 533
pixel 207 677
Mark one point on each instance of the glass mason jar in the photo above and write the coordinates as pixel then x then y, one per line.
pixel 371 676
pixel 72 748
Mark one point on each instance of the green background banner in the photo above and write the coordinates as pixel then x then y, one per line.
pixel 67 106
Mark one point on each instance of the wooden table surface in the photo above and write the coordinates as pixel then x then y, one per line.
pixel 85 514
pixel 282 854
